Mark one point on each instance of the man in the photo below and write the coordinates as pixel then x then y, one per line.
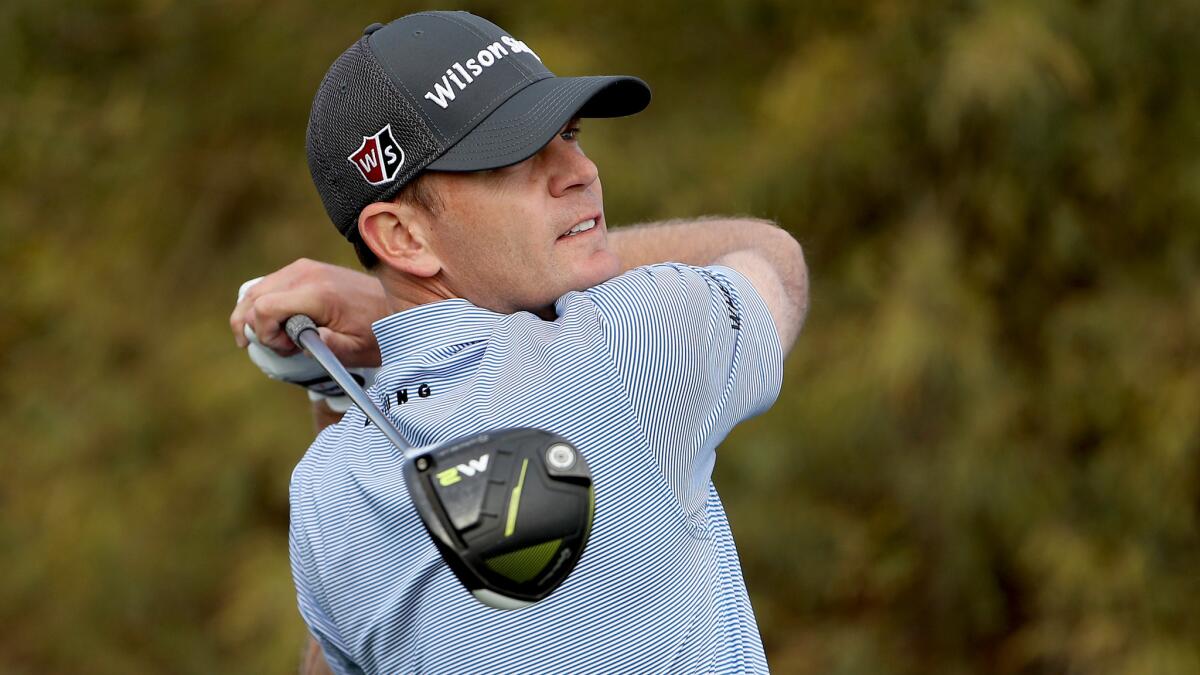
pixel 448 154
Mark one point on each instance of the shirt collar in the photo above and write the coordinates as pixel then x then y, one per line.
pixel 432 326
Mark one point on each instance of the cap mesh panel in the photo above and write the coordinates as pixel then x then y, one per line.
pixel 357 99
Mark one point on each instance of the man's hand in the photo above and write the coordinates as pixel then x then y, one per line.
pixel 344 303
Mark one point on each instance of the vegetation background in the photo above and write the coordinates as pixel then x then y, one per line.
pixel 985 458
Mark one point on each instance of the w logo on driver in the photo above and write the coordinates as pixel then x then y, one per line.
pixel 379 158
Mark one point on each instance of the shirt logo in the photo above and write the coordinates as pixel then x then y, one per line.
pixel 379 158
pixel 443 94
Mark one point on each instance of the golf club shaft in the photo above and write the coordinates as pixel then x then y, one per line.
pixel 303 331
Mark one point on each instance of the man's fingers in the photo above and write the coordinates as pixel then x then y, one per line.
pixel 344 300
pixel 237 322
pixel 272 310
pixel 244 310
pixel 237 325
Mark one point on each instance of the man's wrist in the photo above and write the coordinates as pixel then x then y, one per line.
pixel 323 416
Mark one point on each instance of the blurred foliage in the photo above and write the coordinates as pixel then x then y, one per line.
pixel 984 459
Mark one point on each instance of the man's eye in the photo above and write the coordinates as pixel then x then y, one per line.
pixel 570 134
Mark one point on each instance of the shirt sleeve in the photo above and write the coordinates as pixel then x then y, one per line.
pixel 308 596
pixel 697 351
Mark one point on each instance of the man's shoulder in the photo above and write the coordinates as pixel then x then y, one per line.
pixel 330 456
pixel 350 473
pixel 667 291
pixel 665 277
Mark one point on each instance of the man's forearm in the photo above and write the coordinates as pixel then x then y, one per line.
pixel 693 242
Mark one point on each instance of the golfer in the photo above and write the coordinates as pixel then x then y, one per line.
pixel 450 157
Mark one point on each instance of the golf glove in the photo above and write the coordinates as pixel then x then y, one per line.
pixel 302 369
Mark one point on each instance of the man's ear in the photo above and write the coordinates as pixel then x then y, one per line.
pixel 398 235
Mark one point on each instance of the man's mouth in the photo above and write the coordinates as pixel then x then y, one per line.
pixel 586 225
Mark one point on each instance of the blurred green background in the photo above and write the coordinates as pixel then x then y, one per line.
pixel 984 459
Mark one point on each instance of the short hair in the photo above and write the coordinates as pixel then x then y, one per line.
pixel 418 193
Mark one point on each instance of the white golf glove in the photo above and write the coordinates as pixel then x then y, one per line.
pixel 302 369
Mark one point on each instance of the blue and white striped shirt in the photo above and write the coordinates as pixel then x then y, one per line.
pixel 645 374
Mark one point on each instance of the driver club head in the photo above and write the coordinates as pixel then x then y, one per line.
pixel 509 510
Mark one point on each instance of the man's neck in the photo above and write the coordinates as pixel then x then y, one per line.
pixel 403 291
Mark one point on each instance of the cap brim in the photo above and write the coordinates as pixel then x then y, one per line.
pixel 525 123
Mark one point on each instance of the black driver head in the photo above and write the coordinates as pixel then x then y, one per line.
pixel 509 510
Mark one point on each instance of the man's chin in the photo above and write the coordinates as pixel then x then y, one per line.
pixel 604 265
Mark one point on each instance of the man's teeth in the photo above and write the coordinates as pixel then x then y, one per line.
pixel 582 227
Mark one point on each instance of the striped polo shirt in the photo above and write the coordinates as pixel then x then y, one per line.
pixel 645 374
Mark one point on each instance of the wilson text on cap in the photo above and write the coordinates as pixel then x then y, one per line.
pixel 463 74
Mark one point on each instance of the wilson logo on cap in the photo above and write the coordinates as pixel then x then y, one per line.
pixel 442 93
pixel 379 158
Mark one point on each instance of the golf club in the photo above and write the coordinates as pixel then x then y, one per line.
pixel 510 510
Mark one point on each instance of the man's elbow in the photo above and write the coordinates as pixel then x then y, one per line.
pixel 788 258
pixel 784 255
pixel 797 280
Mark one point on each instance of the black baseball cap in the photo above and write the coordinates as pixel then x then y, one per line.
pixel 446 91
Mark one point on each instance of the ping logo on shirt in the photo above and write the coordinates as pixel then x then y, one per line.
pixel 735 317
pixel 379 158
pixel 455 473
pixel 442 93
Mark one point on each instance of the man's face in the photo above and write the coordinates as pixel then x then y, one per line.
pixel 502 235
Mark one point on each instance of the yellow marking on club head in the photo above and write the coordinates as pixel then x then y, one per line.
pixel 448 477
pixel 514 501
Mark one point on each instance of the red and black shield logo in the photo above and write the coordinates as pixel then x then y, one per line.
pixel 379 158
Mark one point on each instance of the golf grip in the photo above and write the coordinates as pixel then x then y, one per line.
pixel 303 332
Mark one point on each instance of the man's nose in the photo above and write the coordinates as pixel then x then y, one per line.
pixel 568 167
